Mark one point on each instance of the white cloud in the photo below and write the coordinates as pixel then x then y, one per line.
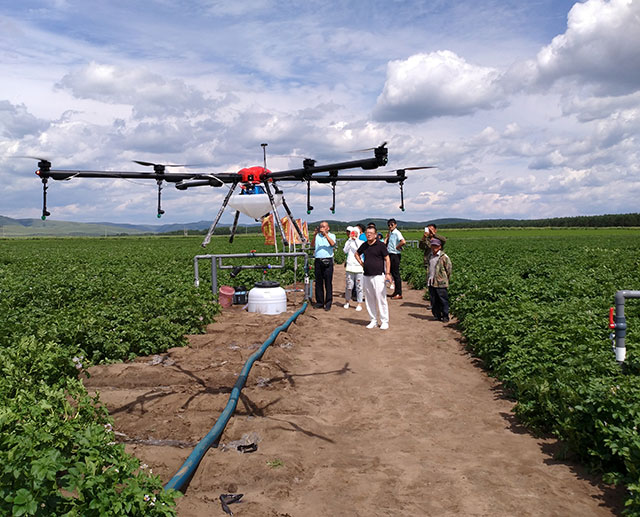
pixel 16 122
pixel 224 8
pixel 587 109
pixel 207 83
pixel 150 94
pixel 436 84
pixel 601 47
pixel 551 160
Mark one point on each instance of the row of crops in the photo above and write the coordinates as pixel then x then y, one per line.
pixel 534 306
pixel 69 303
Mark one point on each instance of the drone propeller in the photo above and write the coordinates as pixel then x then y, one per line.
pixel 30 157
pixel 410 168
pixel 368 148
pixel 154 165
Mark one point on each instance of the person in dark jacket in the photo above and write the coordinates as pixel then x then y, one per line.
pixel 430 232
pixel 438 281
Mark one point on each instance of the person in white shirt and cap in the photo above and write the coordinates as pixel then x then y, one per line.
pixel 354 271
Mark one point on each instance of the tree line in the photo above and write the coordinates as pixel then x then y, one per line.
pixel 595 221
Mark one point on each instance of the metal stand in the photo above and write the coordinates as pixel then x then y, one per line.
pixel 216 263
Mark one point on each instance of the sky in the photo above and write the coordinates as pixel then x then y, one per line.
pixel 526 109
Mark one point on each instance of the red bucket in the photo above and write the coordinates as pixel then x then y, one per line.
pixel 225 297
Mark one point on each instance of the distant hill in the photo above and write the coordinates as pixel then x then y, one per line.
pixel 35 227
pixel 161 228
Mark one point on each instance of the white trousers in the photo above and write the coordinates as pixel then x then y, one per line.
pixel 375 298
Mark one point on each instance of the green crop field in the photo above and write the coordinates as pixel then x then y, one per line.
pixel 532 303
pixel 69 303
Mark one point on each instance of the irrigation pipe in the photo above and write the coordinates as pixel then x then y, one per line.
pixel 190 465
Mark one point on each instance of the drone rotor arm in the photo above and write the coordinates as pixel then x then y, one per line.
pixel 329 179
pixel 170 177
pixel 299 174
pixel 67 174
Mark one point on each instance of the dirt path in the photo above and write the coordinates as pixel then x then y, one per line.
pixel 350 421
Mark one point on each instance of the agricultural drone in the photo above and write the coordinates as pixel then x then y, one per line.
pixel 259 192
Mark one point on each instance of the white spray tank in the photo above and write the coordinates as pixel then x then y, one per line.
pixel 267 297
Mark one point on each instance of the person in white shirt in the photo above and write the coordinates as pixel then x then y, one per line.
pixel 395 241
pixel 354 271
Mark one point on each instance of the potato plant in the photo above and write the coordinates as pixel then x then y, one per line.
pixel 69 303
pixel 534 306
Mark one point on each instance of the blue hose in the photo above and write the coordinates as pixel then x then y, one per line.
pixel 191 463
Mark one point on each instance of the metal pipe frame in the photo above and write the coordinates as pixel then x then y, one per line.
pixel 216 263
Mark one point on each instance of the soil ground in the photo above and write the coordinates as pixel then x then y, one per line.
pixel 348 421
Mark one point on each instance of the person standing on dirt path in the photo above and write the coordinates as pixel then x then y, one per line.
pixel 395 241
pixel 353 270
pixel 322 243
pixel 438 281
pixel 430 232
pixel 376 271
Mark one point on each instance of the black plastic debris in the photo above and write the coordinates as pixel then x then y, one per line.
pixel 252 447
pixel 227 499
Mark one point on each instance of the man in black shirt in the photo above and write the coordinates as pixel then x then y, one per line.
pixel 377 269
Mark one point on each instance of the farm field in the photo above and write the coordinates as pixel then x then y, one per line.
pixel 532 304
pixel 347 421
pixel 67 304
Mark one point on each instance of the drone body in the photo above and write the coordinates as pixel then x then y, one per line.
pixel 259 194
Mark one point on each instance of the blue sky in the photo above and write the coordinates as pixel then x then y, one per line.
pixel 528 109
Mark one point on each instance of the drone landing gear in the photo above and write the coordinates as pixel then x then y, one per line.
pixel 333 174
pixel 293 221
pixel 160 210
pixel 207 238
pixel 309 207
pixel 402 175
pixel 274 209
pixel 44 166
pixel 45 212
pixel 235 225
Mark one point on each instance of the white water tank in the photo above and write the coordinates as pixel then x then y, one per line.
pixel 267 298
